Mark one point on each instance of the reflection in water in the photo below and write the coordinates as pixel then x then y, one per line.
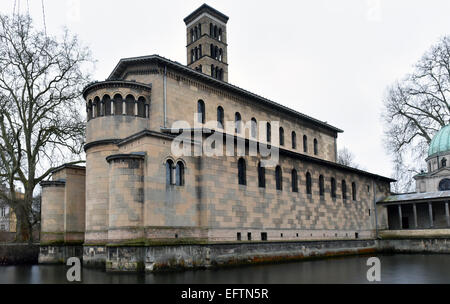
pixel 394 269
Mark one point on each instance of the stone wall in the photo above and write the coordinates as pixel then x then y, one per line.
pixel 14 254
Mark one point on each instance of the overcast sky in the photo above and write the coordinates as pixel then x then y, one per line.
pixel 329 59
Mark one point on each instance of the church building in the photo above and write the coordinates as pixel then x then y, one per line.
pixel 136 193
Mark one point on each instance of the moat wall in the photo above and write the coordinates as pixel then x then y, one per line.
pixel 197 256
pixel 15 254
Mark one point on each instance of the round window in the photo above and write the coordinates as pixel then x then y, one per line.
pixel 444 185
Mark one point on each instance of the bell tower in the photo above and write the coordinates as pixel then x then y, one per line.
pixel 206 30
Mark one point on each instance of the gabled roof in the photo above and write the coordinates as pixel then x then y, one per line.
pixel 126 62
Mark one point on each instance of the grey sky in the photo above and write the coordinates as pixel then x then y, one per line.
pixel 329 59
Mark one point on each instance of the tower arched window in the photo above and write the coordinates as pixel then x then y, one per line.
pixel 221 74
pixel 141 107
pixel 344 190
pixel 261 176
pixel 118 107
pixel 321 186
pixel 192 55
pixel 305 143
pixel 106 100
pixel 354 191
pixel 281 136
pixel 443 163
pixel 192 35
pixel 278 178
pixel 254 126
pixel 215 31
pixel 333 188
pixel 200 51
pixel 199 30
pixel 97 106
pixel 237 122
pixel 294 140
pixel 217 72
pixel 129 100
pixel 170 174
pixel 212 70
pixel 211 30
pixel 179 174
pixel 201 111
pixel 316 148
pixel 294 179
pixel 216 53
pixel 268 133
pixel 220 117
pixel 220 54
pixel 241 172
pixel 89 110
pixel 308 183
pixel 211 50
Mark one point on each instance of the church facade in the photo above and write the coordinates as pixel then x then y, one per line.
pixel 136 193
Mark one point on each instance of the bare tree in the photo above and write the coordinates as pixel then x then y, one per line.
pixel 346 158
pixel 41 125
pixel 415 109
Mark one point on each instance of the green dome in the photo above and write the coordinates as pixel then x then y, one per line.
pixel 440 142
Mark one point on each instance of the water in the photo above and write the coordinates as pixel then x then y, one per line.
pixel 395 269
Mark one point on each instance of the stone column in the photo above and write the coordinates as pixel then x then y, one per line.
pixel 400 216
pixel 447 215
pixel 135 108
pixel 430 212
pixel 112 106
pixel 124 107
pixel 415 216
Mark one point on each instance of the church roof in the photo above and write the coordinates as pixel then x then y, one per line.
pixel 440 142
pixel 126 62
pixel 205 8
pixel 416 197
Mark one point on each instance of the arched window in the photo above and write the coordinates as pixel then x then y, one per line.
pixel 220 54
pixel 211 50
pixel 199 30
pixel 308 183
pixel 180 174
pixel 254 126
pixel 130 104
pixel 192 55
pixel 344 190
pixel 261 176
pixel 294 140
pixel 354 191
pixel 141 107
pixel 170 177
pixel 241 172
pixel 118 104
pixel 221 74
pixel 200 51
pixel 305 143
pixel 217 72
pixel 195 33
pixel 268 133
pixel 237 122
pixel 211 30
pixel 97 106
pixel 316 148
pixel 89 110
pixel 215 31
pixel 281 136
pixel 216 52
pixel 192 35
pixel 333 188
pixel 294 179
pixel 279 178
pixel 220 117
pixel 321 186
pixel 201 111
pixel 443 163
pixel 106 100
pixel 212 70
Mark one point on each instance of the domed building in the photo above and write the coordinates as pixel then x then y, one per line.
pixel 428 207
